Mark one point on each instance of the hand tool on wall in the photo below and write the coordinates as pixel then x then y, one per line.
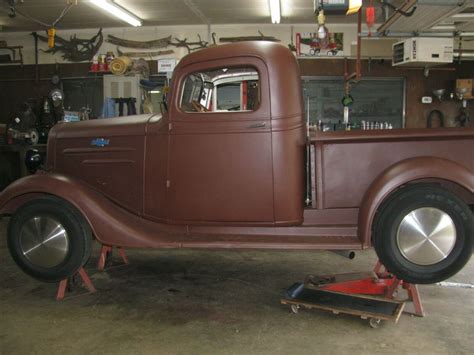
pixel 431 116
pixel 262 37
pixel 75 49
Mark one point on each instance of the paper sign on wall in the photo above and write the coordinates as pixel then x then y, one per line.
pixel 166 65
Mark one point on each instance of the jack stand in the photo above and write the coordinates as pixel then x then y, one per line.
pixel 412 290
pixel 67 284
pixel 378 283
pixel 106 253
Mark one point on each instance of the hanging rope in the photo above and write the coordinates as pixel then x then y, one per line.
pixel 64 12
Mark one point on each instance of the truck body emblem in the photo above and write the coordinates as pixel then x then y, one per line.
pixel 100 142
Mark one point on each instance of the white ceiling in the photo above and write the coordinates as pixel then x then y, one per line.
pixel 435 16
pixel 193 12
pixel 164 12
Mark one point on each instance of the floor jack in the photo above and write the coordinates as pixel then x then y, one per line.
pixel 68 284
pixel 367 295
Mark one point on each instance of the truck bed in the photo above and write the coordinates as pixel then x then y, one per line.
pixel 347 163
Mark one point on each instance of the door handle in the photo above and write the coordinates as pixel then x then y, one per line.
pixel 257 125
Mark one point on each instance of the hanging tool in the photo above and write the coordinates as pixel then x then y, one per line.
pixel 432 114
pixel 370 16
pixel 75 49
pixel 51 34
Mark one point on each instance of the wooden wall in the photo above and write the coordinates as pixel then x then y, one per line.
pixel 19 83
pixel 417 85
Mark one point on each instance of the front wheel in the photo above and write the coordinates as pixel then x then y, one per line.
pixel 49 239
pixel 424 234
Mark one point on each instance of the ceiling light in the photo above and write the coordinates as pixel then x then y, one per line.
pixel 275 10
pixel 118 11
pixel 322 30
pixel 444 27
pixel 464 15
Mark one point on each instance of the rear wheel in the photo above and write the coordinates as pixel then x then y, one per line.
pixel 424 234
pixel 49 239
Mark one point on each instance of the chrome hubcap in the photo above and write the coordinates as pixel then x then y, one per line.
pixel 44 241
pixel 426 236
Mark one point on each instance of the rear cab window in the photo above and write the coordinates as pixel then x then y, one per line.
pixel 221 90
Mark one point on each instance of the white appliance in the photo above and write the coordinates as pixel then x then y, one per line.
pixel 119 86
pixel 423 51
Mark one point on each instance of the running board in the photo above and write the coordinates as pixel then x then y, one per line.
pixel 268 242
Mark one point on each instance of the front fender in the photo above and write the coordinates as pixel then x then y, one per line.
pixel 406 171
pixel 110 223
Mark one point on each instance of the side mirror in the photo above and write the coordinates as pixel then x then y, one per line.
pixel 33 160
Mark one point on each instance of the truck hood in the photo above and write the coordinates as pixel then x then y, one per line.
pixel 118 126
pixel 106 154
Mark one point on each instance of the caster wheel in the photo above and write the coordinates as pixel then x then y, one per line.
pixel 375 323
pixel 295 308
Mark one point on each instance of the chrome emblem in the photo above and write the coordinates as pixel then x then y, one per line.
pixel 100 142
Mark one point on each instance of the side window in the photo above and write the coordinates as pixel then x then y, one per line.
pixel 221 90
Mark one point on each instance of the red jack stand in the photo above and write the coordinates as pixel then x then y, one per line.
pixel 106 252
pixel 66 284
pixel 379 283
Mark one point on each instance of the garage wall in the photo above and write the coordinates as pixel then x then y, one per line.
pixel 417 85
pixel 18 83
pixel 283 32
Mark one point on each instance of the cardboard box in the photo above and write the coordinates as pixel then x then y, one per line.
pixel 468 84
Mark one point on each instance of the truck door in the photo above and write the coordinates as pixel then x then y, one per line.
pixel 220 166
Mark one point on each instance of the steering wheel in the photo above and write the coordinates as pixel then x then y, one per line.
pixel 198 107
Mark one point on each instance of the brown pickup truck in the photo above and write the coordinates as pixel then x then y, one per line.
pixel 224 166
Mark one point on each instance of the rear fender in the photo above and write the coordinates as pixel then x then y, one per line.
pixel 110 223
pixel 404 172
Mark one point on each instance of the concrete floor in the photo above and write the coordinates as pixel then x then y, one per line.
pixel 226 302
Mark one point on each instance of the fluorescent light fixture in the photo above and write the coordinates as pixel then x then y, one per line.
pixel 155 91
pixel 118 11
pixel 464 15
pixel 444 28
pixel 275 10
